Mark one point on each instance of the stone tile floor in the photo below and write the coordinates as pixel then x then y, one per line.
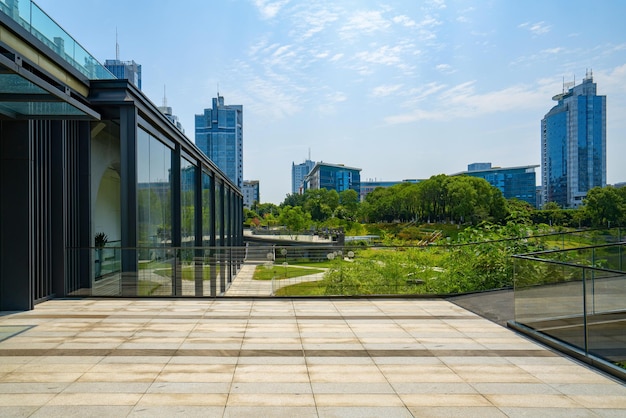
pixel 286 358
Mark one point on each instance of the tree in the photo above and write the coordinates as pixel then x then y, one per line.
pixel 293 200
pixel 294 219
pixel 604 206
pixel 321 203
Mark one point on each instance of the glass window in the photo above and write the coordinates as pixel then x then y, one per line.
pixel 206 209
pixel 188 202
pixel 154 192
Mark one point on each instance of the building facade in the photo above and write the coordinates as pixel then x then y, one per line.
pixel 87 160
pixel 573 145
pixel 514 182
pixel 333 177
pixel 251 194
pixel 298 173
pixel 219 134
pixel 125 70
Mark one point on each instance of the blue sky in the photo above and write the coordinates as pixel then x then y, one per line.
pixel 400 89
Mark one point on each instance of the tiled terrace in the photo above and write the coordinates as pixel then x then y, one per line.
pixel 285 358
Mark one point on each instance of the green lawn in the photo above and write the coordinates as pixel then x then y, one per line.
pixel 282 272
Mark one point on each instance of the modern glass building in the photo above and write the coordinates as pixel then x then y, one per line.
pixel 298 173
pixel 99 191
pixel 219 134
pixel 514 182
pixel 573 145
pixel 128 70
pixel 251 193
pixel 333 177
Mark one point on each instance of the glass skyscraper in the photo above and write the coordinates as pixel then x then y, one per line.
pixel 219 134
pixel 513 182
pixel 125 70
pixel 298 173
pixel 573 145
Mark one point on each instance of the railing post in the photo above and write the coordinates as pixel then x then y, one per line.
pixel 585 333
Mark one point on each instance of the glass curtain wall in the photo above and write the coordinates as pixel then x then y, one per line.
pixel 154 195
pixel 187 202
pixel 206 209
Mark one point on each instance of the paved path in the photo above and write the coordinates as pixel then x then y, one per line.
pixel 244 285
pixel 285 358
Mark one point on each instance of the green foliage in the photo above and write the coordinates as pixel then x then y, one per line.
pixel 605 206
pixel 277 271
pixel 440 198
pixel 294 219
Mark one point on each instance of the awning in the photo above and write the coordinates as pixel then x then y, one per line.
pixel 24 95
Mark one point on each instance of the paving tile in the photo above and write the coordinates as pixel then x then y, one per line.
pixel 447 400
pixel 326 358
pixel 364 412
pixel 271 399
pixel 98 398
pixel 70 411
pixel 185 411
pixel 357 399
pixel 269 412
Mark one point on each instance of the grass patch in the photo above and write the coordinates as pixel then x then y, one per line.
pixel 282 272
pixel 303 289
pixel 187 272
pixel 147 287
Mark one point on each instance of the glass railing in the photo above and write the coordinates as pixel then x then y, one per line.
pixel 151 271
pixel 576 298
pixel 32 18
pixel 352 269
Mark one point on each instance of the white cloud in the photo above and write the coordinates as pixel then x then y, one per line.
pixel 462 101
pixel 269 9
pixel 404 21
pixel 311 22
pixel 539 28
pixel 364 22
pixel 445 69
pixel 553 50
pixel 385 90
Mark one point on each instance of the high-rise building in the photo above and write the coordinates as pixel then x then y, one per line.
pixel 126 70
pixel 251 193
pixel 219 134
pixel 573 144
pixel 298 173
pixel 333 177
pixel 514 182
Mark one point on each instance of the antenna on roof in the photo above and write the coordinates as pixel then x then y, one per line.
pixel 117 46
pixel 164 97
pixel 309 153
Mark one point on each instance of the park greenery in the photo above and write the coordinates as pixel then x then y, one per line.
pixel 445 235
pixel 451 200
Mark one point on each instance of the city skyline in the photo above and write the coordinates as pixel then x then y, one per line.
pixel 400 90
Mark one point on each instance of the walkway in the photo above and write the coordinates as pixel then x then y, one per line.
pixel 285 358
pixel 244 285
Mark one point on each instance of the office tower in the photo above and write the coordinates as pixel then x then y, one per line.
pixel 219 134
pixel 251 193
pixel 333 177
pixel 573 144
pixel 127 70
pixel 298 173
pixel 513 182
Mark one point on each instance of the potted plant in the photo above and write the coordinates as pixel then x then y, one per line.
pixel 100 241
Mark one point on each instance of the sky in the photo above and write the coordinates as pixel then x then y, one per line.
pixel 401 89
